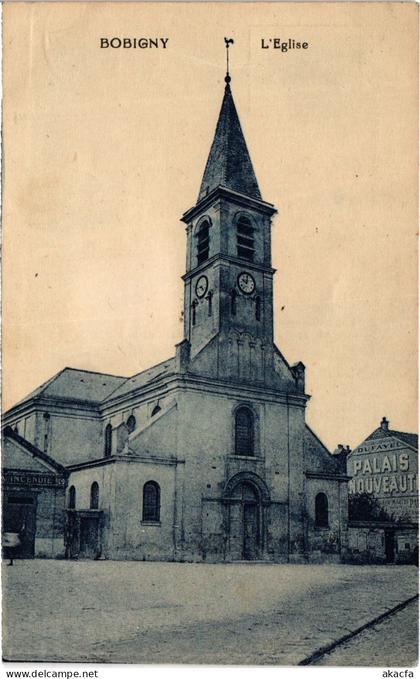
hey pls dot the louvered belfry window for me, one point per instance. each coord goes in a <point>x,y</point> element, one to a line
<point>203,242</point>
<point>245,238</point>
<point>244,432</point>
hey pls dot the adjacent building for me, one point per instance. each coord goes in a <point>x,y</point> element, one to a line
<point>34,490</point>
<point>384,468</point>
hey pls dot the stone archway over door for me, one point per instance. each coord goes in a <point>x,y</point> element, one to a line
<point>245,522</point>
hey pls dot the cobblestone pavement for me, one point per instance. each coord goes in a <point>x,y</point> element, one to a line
<point>143,612</point>
<point>391,643</point>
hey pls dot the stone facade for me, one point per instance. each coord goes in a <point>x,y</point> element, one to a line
<point>206,455</point>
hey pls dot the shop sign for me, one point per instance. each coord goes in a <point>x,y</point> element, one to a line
<point>27,479</point>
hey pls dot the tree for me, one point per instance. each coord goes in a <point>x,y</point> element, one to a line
<point>365,507</point>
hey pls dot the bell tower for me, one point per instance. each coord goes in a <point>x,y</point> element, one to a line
<point>228,280</point>
<point>228,293</point>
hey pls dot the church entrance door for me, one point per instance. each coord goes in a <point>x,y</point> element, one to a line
<point>89,535</point>
<point>244,524</point>
<point>250,531</point>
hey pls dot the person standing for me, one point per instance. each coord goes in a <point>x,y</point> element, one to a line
<point>11,541</point>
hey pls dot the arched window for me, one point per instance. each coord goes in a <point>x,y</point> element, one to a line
<point>131,424</point>
<point>321,510</point>
<point>203,242</point>
<point>72,497</point>
<point>108,440</point>
<point>151,501</point>
<point>94,496</point>
<point>156,409</point>
<point>245,238</point>
<point>244,432</point>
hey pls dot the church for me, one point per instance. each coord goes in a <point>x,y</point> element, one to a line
<point>207,455</point>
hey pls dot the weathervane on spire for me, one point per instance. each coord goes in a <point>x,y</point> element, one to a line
<point>228,42</point>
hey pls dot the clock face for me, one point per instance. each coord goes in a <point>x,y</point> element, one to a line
<point>246,283</point>
<point>201,286</point>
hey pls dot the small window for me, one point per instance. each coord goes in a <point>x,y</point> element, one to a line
<point>156,409</point>
<point>244,432</point>
<point>245,238</point>
<point>194,312</point>
<point>131,424</point>
<point>151,501</point>
<point>258,308</point>
<point>203,242</point>
<point>46,431</point>
<point>210,303</point>
<point>108,440</point>
<point>94,496</point>
<point>321,510</point>
<point>233,303</point>
<point>72,497</point>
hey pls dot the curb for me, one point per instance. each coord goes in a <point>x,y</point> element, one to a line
<point>330,647</point>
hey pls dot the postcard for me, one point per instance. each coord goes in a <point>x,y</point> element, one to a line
<point>210,333</point>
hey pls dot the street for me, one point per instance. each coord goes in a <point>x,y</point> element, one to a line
<point>145,612</point>
<point>392,642</point>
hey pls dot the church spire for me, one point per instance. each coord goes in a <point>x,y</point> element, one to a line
<point>229,163</point>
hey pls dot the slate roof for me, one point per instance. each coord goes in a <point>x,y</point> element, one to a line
<point>410,439</point>
<point>229,163</point>
<point>80,385</point>
<point>143,378</point>
<point>95,388</point>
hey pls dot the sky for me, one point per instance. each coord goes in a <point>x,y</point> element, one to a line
<point>104,150</point>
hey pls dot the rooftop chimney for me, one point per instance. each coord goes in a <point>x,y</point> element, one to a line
<point>342,450</point>
<point>384,424</point>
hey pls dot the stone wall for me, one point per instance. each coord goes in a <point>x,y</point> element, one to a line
<point>326,543</point>
<point>68,435</point>
<point>124,533</point>
<point>49,537</point>
<point>367,544</point>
